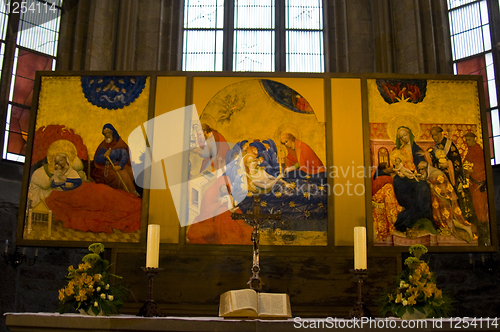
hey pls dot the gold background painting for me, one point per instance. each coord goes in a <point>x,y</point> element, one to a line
<point>257,116</point>
<point>452,105</point>
<point>344,145</point>
<point>445,102</point>
<point>334,131</point>
<point>61,102</point>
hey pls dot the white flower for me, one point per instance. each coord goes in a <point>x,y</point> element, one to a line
<point>96,304</point>
<point>103,296</point>
<point>107,286</point>
<point>98,289</point>
<point>405,302</point>
<point>110,297</point>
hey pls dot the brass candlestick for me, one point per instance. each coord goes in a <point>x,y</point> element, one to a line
<point>149,309</point>
<point>360,309</point>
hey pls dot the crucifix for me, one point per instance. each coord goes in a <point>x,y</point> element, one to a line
<point>255,219</point>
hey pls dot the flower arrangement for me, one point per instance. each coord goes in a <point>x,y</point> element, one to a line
<point>89,289</point>
<point>416,291</point>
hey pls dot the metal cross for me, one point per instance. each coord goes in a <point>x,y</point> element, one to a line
<point>255,219</point>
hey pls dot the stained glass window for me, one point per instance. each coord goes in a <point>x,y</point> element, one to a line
<point>471,43</point>
<point>36,48</point>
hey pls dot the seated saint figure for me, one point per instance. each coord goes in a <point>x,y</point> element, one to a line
<point>112,162</point>
<point>300,157</point>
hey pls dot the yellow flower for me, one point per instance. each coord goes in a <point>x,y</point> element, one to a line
<point>428,290</point>
<point>277,194</point>
<point>69,290</point>
<point>292,185</point>
<point>320,205</point>
<point>61,294</point>
<point>391,297</point>
<point>97,277</point>
<point>399,298</point>
<point>291,204</point>
<point>420,286</point>
<point>438,293</point>
<point>321,188</point>
<point>82,296</point>
<point>89,280</point>
<point>411,300</point>
<point>307,194</point>
<point>424,267</point>
<point>263,203</point>
<point>308,177</point>
<point>307,214</point>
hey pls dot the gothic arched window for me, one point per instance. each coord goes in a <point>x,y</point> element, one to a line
<point>253,35</point>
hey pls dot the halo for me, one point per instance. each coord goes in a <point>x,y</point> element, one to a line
<point>402,120</point>
<point>59,146</point>
<point>209,120</point>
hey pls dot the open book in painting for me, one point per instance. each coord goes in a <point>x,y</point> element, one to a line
<point>249,303</point>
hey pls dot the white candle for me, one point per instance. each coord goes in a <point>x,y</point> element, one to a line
<point>6,246</point>
<point>360,248</point>
<point>153,248</point>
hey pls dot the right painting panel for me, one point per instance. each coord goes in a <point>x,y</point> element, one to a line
<point>428,163</point>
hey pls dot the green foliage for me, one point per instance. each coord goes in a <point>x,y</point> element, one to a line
<point>89,288</point>
<point>415,289</point>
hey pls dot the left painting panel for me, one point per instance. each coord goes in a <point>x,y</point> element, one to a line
<point>80,185</point>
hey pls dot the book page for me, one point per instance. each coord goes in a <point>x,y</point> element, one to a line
<point>225,304</point>
<point>244,299</point>
<point>274,305</point>
<point>238,303</point>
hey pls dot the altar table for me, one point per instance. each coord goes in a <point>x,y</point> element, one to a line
<point>31,322</point>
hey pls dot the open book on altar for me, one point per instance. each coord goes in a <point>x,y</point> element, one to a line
<point>249,303</point>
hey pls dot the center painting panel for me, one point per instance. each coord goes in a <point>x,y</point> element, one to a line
<point>257,137</point>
